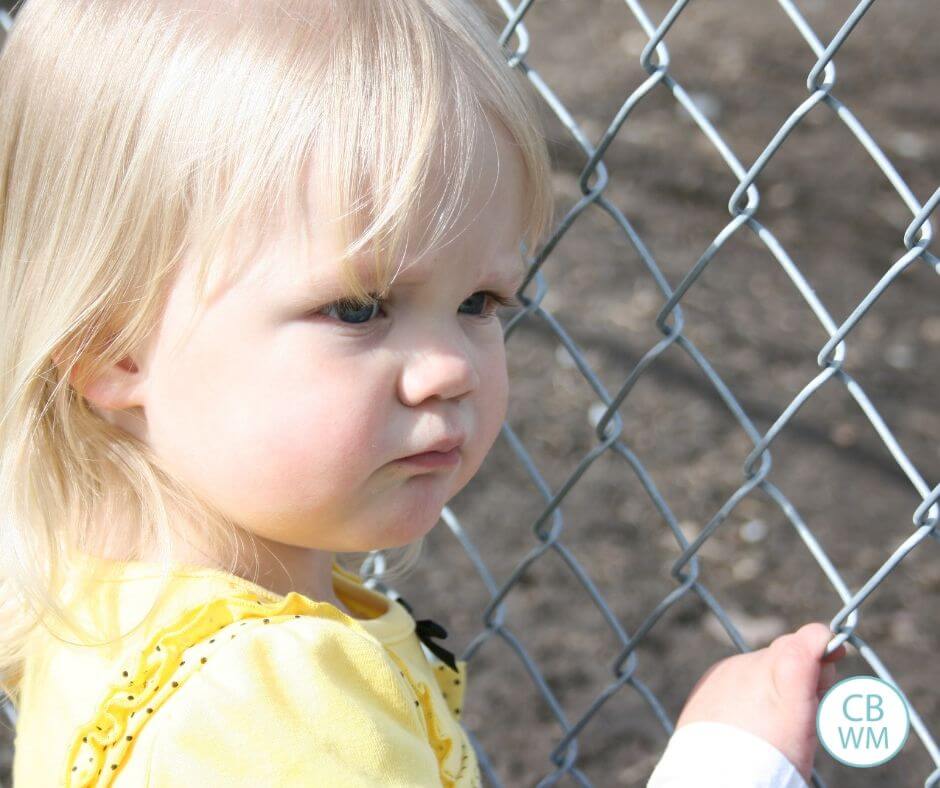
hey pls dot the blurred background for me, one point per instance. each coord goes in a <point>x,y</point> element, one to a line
<point>745,64</point>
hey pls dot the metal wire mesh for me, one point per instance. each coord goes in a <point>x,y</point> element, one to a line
<point>549,527</point>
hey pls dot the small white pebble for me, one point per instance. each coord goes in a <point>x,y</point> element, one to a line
<point>753,531</point>
<point>901,356</point>
<point>909,144</point>
<point>747,568</point>
<point>563,358</point>
<point>706,103</point>
<point>596,413</point>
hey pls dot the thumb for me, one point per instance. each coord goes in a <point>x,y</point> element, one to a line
<point>796,662</point>
<point>815,636</point>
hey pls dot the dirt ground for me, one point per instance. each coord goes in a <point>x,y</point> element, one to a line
<point>842,224</point>
<point>826,202</point>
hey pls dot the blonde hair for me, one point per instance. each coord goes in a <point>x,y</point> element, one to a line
<point>134,130</point>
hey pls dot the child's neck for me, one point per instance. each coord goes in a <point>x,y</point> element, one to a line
<point>280,568</point>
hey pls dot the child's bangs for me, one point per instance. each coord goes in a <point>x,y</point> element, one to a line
<point>382,106</point>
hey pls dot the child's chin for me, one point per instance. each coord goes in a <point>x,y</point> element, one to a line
<point>410,531</point>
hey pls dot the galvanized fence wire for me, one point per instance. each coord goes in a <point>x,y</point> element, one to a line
<point>742,205</point>
<point>549,526</point>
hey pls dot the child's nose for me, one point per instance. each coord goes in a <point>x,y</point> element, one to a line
<point>443,372</point>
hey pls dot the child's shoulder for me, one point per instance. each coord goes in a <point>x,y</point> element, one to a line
<point>141,599</point>
<point>255,667</point>
<point>235,684</point>
<point>203,613</point>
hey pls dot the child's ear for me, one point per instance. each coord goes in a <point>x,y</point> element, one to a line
<point>117,387</point>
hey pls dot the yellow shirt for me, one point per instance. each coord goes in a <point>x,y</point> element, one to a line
<point>229,684</point>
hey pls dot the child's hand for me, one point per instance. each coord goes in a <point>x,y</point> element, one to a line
<point>772,692</point>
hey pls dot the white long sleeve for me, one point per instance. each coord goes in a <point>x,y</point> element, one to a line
<point>718,755</point>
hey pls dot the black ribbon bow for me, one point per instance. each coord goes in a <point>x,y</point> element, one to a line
<point>425,630</point>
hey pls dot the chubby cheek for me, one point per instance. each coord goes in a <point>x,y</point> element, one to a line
<point>290,441</point>
<point>311,447</point>
<point>272,440</point>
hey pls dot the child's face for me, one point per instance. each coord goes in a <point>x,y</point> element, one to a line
<point>291,423</point>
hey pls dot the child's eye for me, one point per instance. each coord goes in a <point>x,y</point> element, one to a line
<point>358,311</point>
<point>495,301</point>
<point>352,312</point>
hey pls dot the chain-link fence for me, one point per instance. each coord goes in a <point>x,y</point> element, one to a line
<point>637,450</point>
<point>611,437</point>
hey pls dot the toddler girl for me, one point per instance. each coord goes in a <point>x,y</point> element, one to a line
<point>252,254</point>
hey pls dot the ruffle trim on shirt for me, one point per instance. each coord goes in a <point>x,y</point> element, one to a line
<point>102,744</point>
<point>441,743</point>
